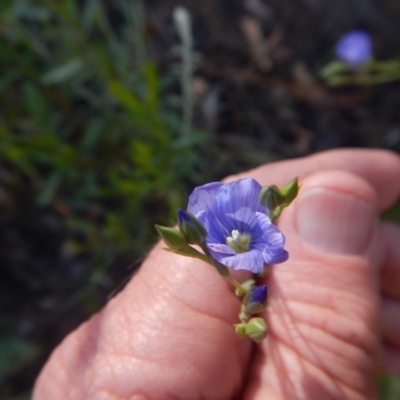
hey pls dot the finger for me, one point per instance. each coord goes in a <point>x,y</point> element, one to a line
<point>323,302</point>
<point>380,168</point>
<point>390,275</point>
<point>168,335</point>
<point>335,213</point>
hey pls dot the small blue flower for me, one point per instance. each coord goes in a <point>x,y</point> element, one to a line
<point>258,295</point>
<point>355,48</point>
<point>256,299</point>
<point>240,234</point>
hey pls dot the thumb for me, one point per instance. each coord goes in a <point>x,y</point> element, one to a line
<point>323,307</point>
<point>335,214</point>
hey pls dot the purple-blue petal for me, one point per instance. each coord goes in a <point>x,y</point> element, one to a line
<point>220,248</point>
<point>233,196</point>
<point>259,294</point>
<point>244,220</point>
<point>220,251</point>
<point>354,48</point>
<point>216,232</point>
<point>272,242</point>
<point>252,261</point>
<point>183,217</point>
<point>203,198</point>
<point>222,208</point>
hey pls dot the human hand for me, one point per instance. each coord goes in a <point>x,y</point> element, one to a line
<point>332,311</point>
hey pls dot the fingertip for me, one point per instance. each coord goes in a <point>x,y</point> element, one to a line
<point>334,213</point>
<point>342,182</point>
<point>381,168</point>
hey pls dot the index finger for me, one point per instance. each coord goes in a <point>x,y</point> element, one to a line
<point>380,168</point>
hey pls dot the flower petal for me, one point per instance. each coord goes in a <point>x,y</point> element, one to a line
<point>354,48</point>
<point>236,204</point>
<point>224,208</point>
<point>216,233</point>
<point>271,243</point>
<point>243,193</point>
<point>203,198</point>
<point>252,261</point>
<point>220,252</point>
<point>244,221</point>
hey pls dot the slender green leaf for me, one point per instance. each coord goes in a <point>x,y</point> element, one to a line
<point>63,72</point>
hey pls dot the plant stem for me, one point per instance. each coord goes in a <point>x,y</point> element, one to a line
<point>236,284</point>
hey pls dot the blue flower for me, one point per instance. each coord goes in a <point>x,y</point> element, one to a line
<point>256,299</point>
<point>258,295</point>
<point>355,48</point>
<point>240,234</point>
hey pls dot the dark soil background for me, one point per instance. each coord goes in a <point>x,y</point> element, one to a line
<point>260,97</point>
<point>261,60</point>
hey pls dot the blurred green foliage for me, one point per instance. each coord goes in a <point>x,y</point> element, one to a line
<point>393,213</point>
<point>389,387</point>
<point>91,129</point>
<point>14,354</point>
<point>85,118</point>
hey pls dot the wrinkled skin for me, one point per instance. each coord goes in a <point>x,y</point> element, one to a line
<point>333,306</point>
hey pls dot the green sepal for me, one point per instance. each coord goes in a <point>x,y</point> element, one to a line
<point>221,268</point>
<point>256,329</point>
<point>173,238</point>
<point>271,197</point>
<point>240,329</point>
<point>275,214</point>
<point>245,287</point>
<point>290,191</point>
<point>191,228</point>
<point>276,199</point>
<point>189,252</point>
<point>244,314</point>
<point>254,308</point>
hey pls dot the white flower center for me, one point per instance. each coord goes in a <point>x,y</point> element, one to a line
<point>238,242</point>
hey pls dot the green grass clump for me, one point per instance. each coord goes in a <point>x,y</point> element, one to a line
<point>89,130</point>
<point>86,122</point>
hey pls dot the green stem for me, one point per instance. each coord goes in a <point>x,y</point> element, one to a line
<point>233,281</point>
<point>236,284</point>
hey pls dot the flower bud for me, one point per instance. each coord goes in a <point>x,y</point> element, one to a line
<point>271,197</point>
<point>355,48</point>
<point>290,191</point>
<point>191,228</point>
<point>256,299</point>
<point>240,330</point>
<point>245,287</point>
<point>256,329</point>
<point>172,237</point>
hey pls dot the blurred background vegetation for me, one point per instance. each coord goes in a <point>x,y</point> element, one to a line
<point>110,114</point>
